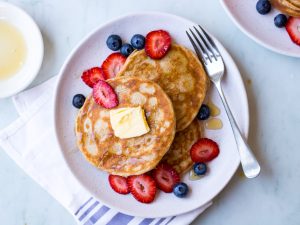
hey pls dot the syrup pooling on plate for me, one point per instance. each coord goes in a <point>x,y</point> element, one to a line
<point>13,50</point>
<point>213,124</point>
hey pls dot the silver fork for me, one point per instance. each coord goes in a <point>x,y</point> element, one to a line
<point>211,58</point>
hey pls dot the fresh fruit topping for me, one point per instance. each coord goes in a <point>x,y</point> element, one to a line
<point>105,95</point>
<point>158,43</point>
<point>263,7</point>
<point>78,100</point>
<point>204,112</point>
<point>91,76</point>
<point>204,150</point>
<point>114,42</point>
<point>180,190</point>
<point>142,187</point>
<point>126,50</point>
<point>165,177</point>
<point>138,41</point>
<point>293,29</point>
<point>200,168</point>
<point>280,20</point>
<point>118,184</point>
<point>113,64</point>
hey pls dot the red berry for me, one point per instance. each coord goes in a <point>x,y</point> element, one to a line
<point>118,184</point>
<point>158,42</point>
<point>92,76</point>
<point>142,187</point>
<point>293,29</point>
<point>204,150</point>
<point>105,95</point>
<point>113,64</point>
<point>165,177</point>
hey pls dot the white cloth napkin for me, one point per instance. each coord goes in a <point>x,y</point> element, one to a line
<point>30,141</point>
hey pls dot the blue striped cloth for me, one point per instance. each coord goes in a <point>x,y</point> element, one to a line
<point>31,139</point>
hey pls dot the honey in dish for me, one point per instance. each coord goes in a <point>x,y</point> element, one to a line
<point>12,50</point>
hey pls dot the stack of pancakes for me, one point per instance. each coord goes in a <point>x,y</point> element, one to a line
<point>171,91</point>
<point>290,7</point>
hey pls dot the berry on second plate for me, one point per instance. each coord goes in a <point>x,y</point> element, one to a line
<point>138,41</point>
<point>114,42</point>
<point>113,64</point>
<point>200,168</point>
<point>126,50</point>
<point>105,95</point>
<point>180,190</point>
<point>158,42</point>
<point>118,184</point>
<point>263,7</point>
<point>142,187</point>
<point>165,177</point>
<point>280,20</point>
<point>203,113</point>
<point>293,29</point>
<point>204,150</point>
<point>91,76</point>
<point>78,100</point>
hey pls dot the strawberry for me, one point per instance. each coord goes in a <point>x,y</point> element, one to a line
<point>165,177</point>
<point>105,95</point>
<point>293,29</point>
<point>204,150</point>
<point>113,64</point>
<point>158,42</point>
<point>92,76</point>
<point>118,184</point>
<point>142,187</point>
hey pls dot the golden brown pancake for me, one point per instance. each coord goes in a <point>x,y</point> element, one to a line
<point>290,7</point>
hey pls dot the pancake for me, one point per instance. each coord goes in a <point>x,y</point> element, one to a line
<point>179,73</point>
<point>290,7</point>
<point>132,156</point>
<point>179,154</point>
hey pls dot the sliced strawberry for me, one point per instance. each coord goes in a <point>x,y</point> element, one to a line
<point>204,150</point>
<point>105,95</point>
<point>92,76</point>
<point>142,187</point>
<point>165,177</point>
<point>293,29</point>
<point>158,42</point>
<point>118,184</point>
<point>113,64</point>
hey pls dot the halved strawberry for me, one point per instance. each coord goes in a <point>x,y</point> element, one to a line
<point>113,64</point>
<point>142,187</point>
<point>293,29</point>
<point>118,184</point>
<point>204,150</point>
<point>105,95</point>
<point>92,76</point>
<point>165,177</point>
<point>158,42</point>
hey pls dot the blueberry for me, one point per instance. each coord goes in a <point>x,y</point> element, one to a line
<point>263,7</point>
<point>203,113</point>
<point>78,100</point>
<point>280,20</point>
<point>114,42</point>
<point>138,41</point>
<point>200,168</point>
<point>180,189</point>
<point>126,50</point>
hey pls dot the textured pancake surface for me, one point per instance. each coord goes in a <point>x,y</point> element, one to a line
<point>290,7</point>
<point>179,154</point>
<point>96,139</point>
<point>179,73</point>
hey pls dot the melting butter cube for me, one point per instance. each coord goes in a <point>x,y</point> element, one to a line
<point>128,122</point>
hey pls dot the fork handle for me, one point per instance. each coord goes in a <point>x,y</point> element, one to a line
<point>249,163</point>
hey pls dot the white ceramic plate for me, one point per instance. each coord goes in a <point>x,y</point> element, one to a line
<point>35,49</point>
<point>91,52</point>
<point>260,28</point>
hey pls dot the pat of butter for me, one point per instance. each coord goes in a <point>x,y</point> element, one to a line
<point>129,122</point>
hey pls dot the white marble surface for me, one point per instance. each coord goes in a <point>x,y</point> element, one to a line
<point>272,83</point>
